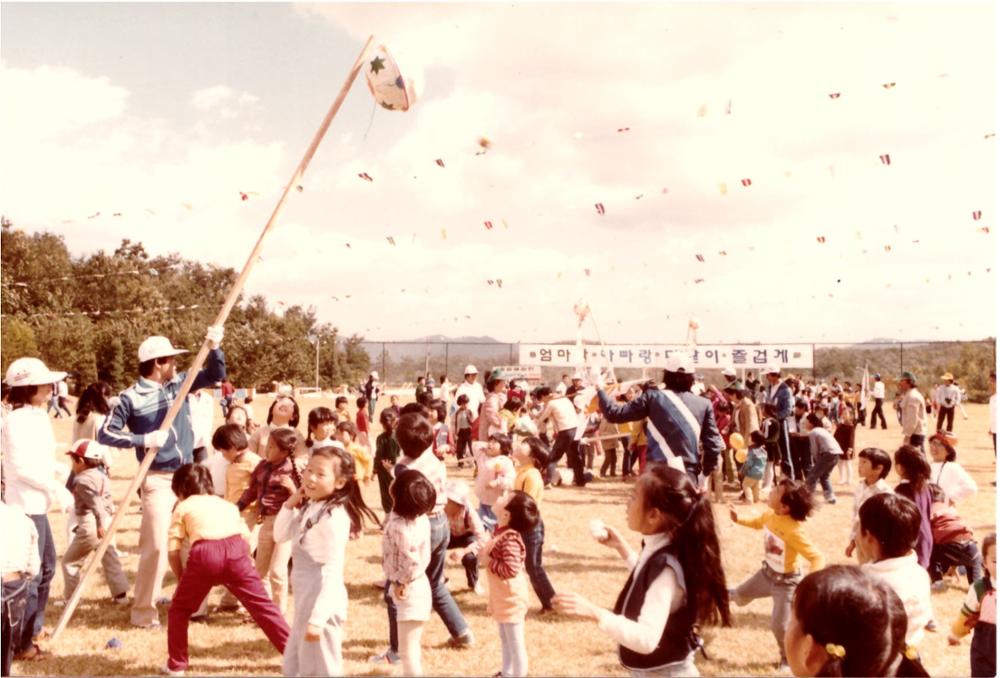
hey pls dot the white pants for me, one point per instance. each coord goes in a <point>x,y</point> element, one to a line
<point>409,646</point>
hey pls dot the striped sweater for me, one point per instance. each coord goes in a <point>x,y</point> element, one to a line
<point>143,407</point>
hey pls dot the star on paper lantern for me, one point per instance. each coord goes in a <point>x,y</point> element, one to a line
<point>391,90</point>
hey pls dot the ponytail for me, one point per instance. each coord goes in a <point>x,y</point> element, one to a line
<point>695,539</point>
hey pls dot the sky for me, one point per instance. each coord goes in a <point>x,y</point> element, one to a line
<point>164,114</point>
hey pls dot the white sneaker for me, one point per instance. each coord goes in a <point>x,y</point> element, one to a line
<point>167,671</point>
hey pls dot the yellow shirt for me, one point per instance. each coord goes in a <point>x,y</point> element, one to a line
<point>784,541</point>
<point>238,475</point>
<point>204,516</point>
<point>529,481</point>
<point>364,466</point>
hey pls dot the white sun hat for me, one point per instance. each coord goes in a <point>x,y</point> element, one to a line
<point>31,372</point>
<point>157,347</point>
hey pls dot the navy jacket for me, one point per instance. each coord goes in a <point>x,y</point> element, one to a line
<point>671,431</point>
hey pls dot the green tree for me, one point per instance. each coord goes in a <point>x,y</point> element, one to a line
<point>18,341</point>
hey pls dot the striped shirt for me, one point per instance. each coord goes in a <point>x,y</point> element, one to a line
<point>143,407</point>
<point>507,553</point>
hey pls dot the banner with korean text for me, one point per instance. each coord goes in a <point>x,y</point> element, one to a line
<point>704,356</point>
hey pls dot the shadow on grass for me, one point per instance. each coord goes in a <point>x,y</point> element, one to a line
<point>235,650</point>
<point>365,592</point>
<point>582,568</point>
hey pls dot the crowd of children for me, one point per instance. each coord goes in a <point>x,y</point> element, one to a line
<point>277,497</point>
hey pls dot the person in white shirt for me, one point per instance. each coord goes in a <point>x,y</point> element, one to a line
<point>32,481</point>
<point>888,527</point>
<point>913,412</point>
<point>946,472</point>
<point>564,418</point>
<point>874,465</point>
<point>472,388</point>
<point>202,406</point>
<point>654,620</point>
<point>878,393</point>
<point>948,397</point>
<point>19,564</point>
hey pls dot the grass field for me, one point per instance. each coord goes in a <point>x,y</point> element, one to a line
<point>575,562</point>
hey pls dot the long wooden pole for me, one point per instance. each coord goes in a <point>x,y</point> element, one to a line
<point>199,360</point>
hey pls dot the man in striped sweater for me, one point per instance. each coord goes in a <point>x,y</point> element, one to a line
<point>142,409</point>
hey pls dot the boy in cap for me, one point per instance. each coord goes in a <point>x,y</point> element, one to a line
<point>94,507</point>
<point>948,398</point>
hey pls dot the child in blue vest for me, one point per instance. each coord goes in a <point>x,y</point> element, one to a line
<point>677,581</point>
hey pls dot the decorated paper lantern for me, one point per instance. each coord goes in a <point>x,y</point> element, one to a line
<point>390,88</point>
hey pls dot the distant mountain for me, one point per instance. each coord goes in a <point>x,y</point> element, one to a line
<point>440,338</point>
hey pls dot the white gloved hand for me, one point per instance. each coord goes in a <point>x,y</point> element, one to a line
<point>214,335</point>
<point>155,440</point>
<point>593,376</point>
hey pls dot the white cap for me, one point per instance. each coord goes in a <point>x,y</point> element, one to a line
<point>373,375</point>
<point>471,369</point>
<point>456,491</point>
<point>85,448</point>
<point>31,372</point>
<point>157,347</point>
<point>680,362</point>
<point>773,370</point>
<point>728,372</point>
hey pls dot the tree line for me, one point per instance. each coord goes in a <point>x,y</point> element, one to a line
<point>87,315</point>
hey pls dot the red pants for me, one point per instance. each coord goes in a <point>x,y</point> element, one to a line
<point>226,562</point>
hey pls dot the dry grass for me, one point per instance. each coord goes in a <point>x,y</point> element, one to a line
<point>574,561</point>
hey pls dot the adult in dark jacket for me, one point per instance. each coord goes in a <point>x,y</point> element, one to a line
<point>678,421</point>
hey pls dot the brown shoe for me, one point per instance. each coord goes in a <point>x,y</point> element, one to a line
<point>32,654</point>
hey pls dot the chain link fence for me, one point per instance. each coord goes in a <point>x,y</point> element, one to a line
<point>971,362</point>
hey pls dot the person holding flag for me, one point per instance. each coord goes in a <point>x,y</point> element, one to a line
<point>678,420</point>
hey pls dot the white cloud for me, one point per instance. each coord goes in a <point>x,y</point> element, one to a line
<point>551,85</point>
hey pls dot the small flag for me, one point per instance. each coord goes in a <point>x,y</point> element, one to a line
<point>392,241</point>
<point>299,188</point>
<point>587,271</point>
<point>500,283</point>
<point>977,215</point>
<point>489,225</point>
<point>365,176</point>
<point>623,129</point>
<point>888,85</point>
<point>489,282</point>
<point>821,239</point>
<point>834,95</point>
<point>885,159</point>
<point>698,281</point>
<point>722,253</point>
<point>700,258</point>
<point>722,188</point>
<point>244,197</point>
<point>599,206</point>
<point>985,229</point>
<point>440,162</point>
<point>745,182</point>
<point>888,248</point>
<point>444,234</point>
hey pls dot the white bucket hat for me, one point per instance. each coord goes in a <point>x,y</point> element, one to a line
<point>680,362</point>
<point>31,372</point>
<point>157,347</point>
<point>456,491</point>
<point>471,369</point>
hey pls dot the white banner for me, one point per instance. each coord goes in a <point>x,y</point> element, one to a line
<point>524,371</point>
<point>704,356</point>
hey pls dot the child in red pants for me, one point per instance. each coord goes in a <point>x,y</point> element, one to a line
<point>219,555</point>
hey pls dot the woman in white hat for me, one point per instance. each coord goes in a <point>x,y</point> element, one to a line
<point>32,482</point>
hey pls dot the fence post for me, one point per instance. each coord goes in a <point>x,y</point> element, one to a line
<point>510,354</point>
<point>900,357</point>
<point>385,375</point>
<point>447,344</point>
